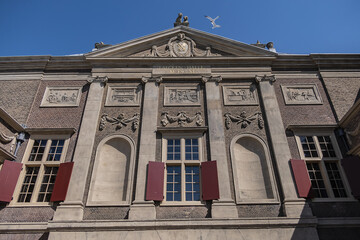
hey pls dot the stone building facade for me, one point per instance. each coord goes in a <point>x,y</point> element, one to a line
<point>180,135</point>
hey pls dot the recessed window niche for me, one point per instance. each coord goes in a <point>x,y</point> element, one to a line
<point>113,172</point>
<point>252,170</point>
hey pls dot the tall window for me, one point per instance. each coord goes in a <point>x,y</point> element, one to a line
<point>182,156</point>
<point>322,161</point>
<point>41,163</point>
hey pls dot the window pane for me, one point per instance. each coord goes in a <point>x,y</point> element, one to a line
<point>55,150</point>
<point>326,146</point>
<point>28,184</point>
<point>191,149</point>
<point>317,182</point>
<point>192,189</point>
<point>47,184</point>
<point>335,180</point>
<point>308,146</point>
<point>37,150</point>
<point>173,149</point>
<point>173,184</point>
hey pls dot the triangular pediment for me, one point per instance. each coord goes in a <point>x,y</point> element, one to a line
<point>180,42</point>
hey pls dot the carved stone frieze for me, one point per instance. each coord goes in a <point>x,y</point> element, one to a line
<point>123,96</point>
<point>181,118</point>
<point>175,96</point>
<point>61,97</point>
<point>240,95</point>
<point>301,94</point>
<point>244,120</point>
<point>180,46</point>
<point>120,121</point>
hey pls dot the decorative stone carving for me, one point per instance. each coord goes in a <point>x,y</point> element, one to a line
<point>301,94</point>
<point>180,46</point>
<point>7,139</point>
<point>240,95</point>
<point>180,96</point>
<point>181,119</point>
<point>270,78</point>
<point>243,120</point>
<point>123,96</point>
<point>206,79</point>
<point>120,121</point>
<point>102,80</point>
<point>61,97</point>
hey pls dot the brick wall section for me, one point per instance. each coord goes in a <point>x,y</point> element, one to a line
<point>303,114</point>
<point>16,98</point>
<point>24,236</point>
<point>105,213</point>
<point>26,214</point>
<point>254,210</point>
<point>343,93</point>
<point>166,212</point>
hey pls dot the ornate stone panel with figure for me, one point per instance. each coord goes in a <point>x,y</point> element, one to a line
<point>61,97</point>
<point>179,96</point>
<point>240,95</point>
<point>123,96</point>
<point>301,94</point>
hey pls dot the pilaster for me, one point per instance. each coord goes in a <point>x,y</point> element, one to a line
<point>72,207</point>
<point>142,209</point>
<point>225,206</point>
<point>294,206</point>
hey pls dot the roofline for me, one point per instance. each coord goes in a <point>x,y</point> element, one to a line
<point>11,121</point>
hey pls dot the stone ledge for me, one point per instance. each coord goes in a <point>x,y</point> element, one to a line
<point>23,226</point>
<point>244,223</point>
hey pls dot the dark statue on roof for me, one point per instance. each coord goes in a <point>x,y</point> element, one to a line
<point>179,23</point>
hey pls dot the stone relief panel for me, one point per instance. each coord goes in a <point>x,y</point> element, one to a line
<point>301,94</point>
<point>120,121</point>
<point>123,96</point>
<point>180,96</point>
<point>181,118</point>
<point>240,95</point>
<point>243,119</point>
<point>61,97</point>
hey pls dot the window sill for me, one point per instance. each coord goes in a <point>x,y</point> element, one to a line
<point>44,204</point>
<point>316,200</point>
<point>182,204</point>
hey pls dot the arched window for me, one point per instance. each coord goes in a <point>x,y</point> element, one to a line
<point>252,170</point>
<point>112,175</point>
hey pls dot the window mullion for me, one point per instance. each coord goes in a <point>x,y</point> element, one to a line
<point>46,151</point>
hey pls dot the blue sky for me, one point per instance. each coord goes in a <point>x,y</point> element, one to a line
<point>64,27</point>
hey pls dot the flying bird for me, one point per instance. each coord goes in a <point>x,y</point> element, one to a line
<point>213,22</point>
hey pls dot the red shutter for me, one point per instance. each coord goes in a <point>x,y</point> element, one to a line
<point>9,175</point>
<point>62,182</point>
<point>155,181</point>
<point>302,179</point>
<point>209,181</point>
<point>351,166</point>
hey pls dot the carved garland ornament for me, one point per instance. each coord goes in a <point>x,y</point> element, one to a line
<point>120,121</point>
<point>243,120</point>
<point>180,46</point>
<point>181,119</point>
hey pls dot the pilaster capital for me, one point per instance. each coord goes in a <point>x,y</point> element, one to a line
<point>156,79</point>
<point>264,78</point>
<point>210,78</point>
<point>102,80</point>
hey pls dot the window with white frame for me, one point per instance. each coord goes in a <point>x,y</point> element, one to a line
<point>40,166</point>
<point>321,154</point>
<point>182,157</point>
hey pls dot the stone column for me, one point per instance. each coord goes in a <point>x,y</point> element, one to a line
<point>73,206</point>
<point>294,206</point>
<point>225,206</point>
<point>142,209</point>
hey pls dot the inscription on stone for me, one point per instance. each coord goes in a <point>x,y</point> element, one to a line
<point>61,97</point>
<point>161,70</point>
<point>240,95</point>
<point>123,96</point>
<point>301,94</point>
<point>175,96</point>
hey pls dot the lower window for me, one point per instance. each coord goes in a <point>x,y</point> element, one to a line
<point>182,179</point>
<point>322,161</point>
